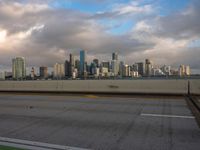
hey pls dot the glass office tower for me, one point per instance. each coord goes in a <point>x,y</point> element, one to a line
<point>82,62</point>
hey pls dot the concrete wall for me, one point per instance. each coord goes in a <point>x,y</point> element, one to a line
<point>107,86</point>
<point>195,86</point>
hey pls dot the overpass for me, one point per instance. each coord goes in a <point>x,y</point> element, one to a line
<point>165,118</point>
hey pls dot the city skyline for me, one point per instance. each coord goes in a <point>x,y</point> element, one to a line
<point>74,68</point>
<point>166,32</point>
<point>71,64</point>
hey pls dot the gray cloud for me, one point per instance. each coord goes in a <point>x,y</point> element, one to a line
<point>45,35</point>
<point>63,30</point>
<point>181,25</point>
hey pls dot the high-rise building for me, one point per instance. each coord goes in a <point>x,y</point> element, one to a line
<point>33,73</point>
<point>87,67</point>
<point>96,62</point>
<point>59,71</point>
<point>158,72</point>
<point>121,67</point>
<point>92,68</point>
<point>104,72</point>
<point>140,68</point>
<point>82,63</point>
<point>126,71</point>
<point>43,72</point>
<point>19,68</point>
<point>77,65</point>
<point>106,64</point>
<point>148,67</point>
<point>184,70</point>
<point>67,68</point>
<point>135,67</point>
<point>115,64</point>
<point>97,72</point>
<point>75,73</point>
<point>187,71</point>
<point>115,56</point>
<point>166,70</point>
<point>134,74</point>
<point>72,64</point>
<point>115,67</point>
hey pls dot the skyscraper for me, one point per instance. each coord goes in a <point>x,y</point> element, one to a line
<point>96,62</point>
<point>59,71</point>
<point>92,68</point>
<point>126,71</point>
<point>121,67</point>
<point>184,70</point>
<point>106,64</point>
<point>19,68</point>
<point>114,56</point>
<point>148,67</point>
<point>82,62</point>
<point>67,68</point>
<point>33,73</point>
<point>115,67</point>
<point>187,71</point>
<point>115,64</point>
<point>166,70</point>
<point>43,72</point>
<point>77,65</point>
<point>135,67</point>
<point>72,64</point>
<point>140,68</point>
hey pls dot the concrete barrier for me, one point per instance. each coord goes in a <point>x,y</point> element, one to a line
<point>105,86</point>
<point>141,86</point>
<point>195,87</point>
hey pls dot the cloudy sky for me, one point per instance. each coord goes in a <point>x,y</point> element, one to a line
<point>46,31</point>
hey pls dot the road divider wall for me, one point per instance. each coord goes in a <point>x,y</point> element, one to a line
<point>149,86</point>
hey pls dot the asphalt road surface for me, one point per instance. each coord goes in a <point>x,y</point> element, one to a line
<point>100,123</point>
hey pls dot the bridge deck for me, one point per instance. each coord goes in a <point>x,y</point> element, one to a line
<point>107,123</point>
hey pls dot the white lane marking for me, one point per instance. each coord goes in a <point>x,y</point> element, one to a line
<point>34,145</point>
<point>167,116</point>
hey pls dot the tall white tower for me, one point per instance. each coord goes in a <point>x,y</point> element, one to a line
<point>19,68</point>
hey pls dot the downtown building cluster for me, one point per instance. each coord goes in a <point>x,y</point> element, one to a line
<point>80,69</point>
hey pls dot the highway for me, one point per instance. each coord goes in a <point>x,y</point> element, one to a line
<point>100,122</point>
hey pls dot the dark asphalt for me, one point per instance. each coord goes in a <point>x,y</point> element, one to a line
<point>100,123</point>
